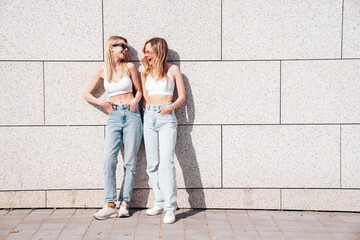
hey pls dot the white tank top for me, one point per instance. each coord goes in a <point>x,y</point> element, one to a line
<point>159,86</point>
<point>115,88</point>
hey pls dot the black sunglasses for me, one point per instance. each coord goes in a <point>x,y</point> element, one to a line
<point>122,45</point>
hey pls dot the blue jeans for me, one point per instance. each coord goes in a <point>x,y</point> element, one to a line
<point>123,126</point>
<point>160,138</point>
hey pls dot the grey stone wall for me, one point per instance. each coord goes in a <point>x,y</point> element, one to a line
<point>271,121</point>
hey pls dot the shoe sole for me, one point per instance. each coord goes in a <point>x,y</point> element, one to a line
<point>123,215</point>
<point>103,218</point>
<point>169,222</point>
<point>151,214</point>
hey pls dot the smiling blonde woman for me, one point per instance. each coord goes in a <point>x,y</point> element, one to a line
<point>159,79</point>
<point>124,124</point>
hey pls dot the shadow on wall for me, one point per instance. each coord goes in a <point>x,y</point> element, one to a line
<point>98,92</point>
<point>185,151</point>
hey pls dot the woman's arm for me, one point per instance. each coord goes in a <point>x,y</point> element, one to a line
<point>145,92</point>
<point>135,79</point>
<point>87,95</point>
<point>180,89</point>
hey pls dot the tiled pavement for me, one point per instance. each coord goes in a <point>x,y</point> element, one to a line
<point>191,224</point>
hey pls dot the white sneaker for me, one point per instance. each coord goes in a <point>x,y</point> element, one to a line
<point>154,211</point>
<point>169,217</point>
<point>124,209</point>
<point>106,212</point>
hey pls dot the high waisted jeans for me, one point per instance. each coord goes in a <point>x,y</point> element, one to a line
<point>160,138</point>
<point>124,126</point>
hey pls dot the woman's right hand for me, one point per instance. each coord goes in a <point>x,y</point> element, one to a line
<point>107,105</point>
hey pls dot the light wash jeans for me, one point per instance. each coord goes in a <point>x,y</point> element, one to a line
<point>160,138</point>
<point>123,126</point>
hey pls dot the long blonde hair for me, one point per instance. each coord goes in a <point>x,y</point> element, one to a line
<point>161,51</point>
<point>109,63</point>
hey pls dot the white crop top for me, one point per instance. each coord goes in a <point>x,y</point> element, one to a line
<point>159,86</point>
<point>115,88</point>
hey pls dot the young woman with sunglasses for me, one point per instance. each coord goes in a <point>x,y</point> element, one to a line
<point>124,123</point>
<point>159,79</point>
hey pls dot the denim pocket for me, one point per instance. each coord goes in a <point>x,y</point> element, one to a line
<point>136,111</point>
<point>169,117</point>
<point>112,112</point>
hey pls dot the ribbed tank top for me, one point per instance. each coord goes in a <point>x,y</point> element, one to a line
<point>159,86</point>
<point>115,88</point>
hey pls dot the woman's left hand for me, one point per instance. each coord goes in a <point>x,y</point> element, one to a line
<point>166,110</point>
<point>133,104</point>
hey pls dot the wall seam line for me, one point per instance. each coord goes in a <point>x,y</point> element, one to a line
<point>199,124</point>
<point>340,161</point>
<point>183,188</point>
<point>190,60</point>
<point>280,92</point>
<point>221,17</point>
<point>43,73</point>
<point>102,28</point>
<point>342,28</point>
<point>221,158</point>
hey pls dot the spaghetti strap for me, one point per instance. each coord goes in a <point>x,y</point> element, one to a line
<point>171,67</point>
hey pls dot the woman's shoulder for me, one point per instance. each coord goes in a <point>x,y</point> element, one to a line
<point>141,68</point>
<point>130,66</point>
<point>173,68</point>
<point>100,70</point>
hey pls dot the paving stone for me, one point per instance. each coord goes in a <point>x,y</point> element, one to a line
<point>301,234</point>
<point>148,226</point>
<point>11,220</point>
<point>288,222</point>
<point>55,223</point>
<point>291,228</point>
<point>320,235</point>
<point>31,224</point>
<point>3,213</point>
<point>125,228</point>
<point>78,224</point>
<point>100,229</point>
<point>271,236</point>
<point>195,225</point>
<point>310,224</point>
<point>298,238</point>
<point>349,217</point>
<point>190,224</point>
<point>218,224</point>
<point>346,236</point>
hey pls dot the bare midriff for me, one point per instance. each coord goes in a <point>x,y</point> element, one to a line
<point>159,99</point>
<point>124,98</point>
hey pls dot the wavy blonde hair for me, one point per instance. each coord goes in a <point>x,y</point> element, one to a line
<point>161,51</point>
<point>109,63</point>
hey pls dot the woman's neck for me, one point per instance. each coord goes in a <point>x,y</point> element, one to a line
<point>116,63</point>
